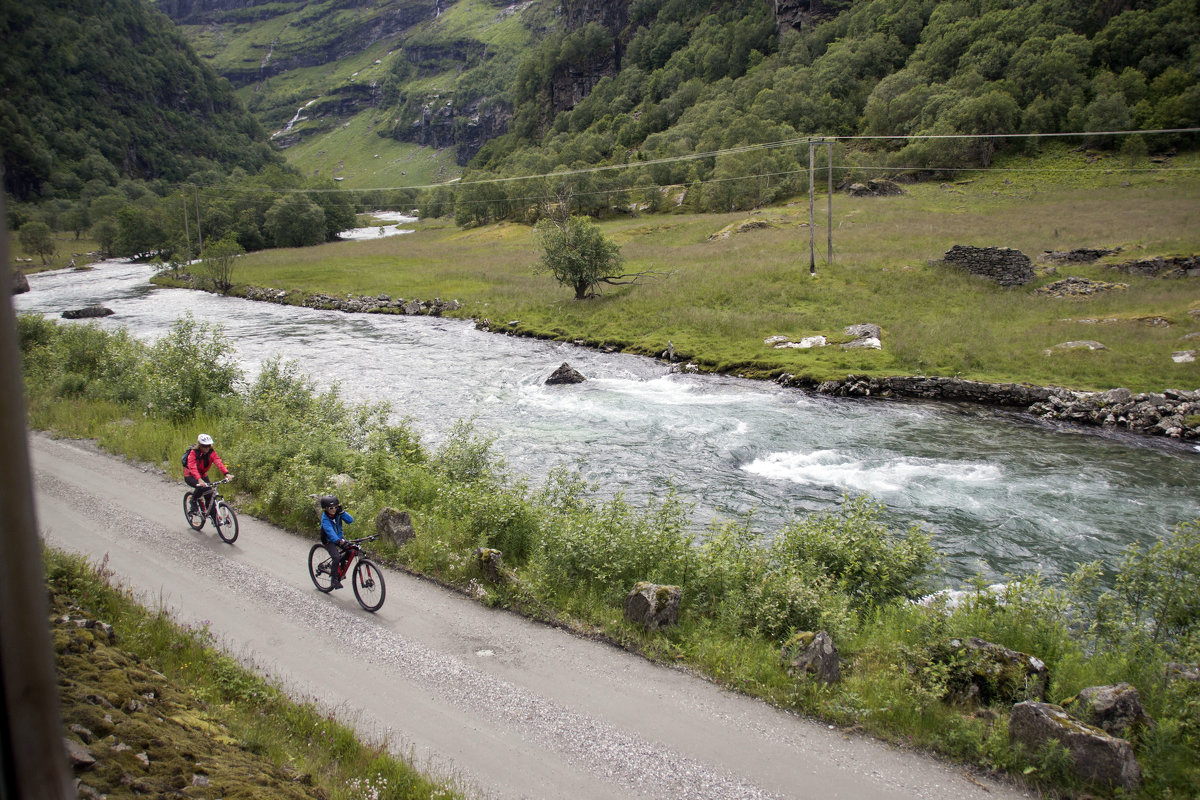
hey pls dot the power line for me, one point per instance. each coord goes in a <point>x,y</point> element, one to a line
<point>792,142</point>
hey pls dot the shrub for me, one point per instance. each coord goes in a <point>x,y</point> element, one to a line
<point>869,562</point>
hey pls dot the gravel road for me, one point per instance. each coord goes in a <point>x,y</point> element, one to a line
<point>506,707</point>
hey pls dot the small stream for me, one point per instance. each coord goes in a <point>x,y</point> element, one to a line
<point>1000,492</point>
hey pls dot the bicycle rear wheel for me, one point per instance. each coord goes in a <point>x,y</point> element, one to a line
<point>195,519</point>
<point>368,585</point>
<point>227,522</point>
<point>319,564</point>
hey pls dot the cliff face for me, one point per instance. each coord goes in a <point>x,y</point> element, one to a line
<point>332,30</point>
<point>574,80</point>
<point>804,13</point>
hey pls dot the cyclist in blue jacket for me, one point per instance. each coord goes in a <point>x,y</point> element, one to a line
<point>332,517</point>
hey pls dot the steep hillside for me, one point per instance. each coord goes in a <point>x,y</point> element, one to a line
<point>99,90</point>
<point>372,93</point>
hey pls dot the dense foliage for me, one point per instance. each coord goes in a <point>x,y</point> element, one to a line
<point>572,555</point>
<point>697,79</point>
<point>99,90</point>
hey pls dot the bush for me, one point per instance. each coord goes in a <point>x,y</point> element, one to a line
<point>189,370</point>
<point>869,562</point>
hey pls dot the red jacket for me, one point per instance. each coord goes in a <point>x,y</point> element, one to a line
<point>198,464</point>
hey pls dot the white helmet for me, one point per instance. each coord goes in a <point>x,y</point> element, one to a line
<point>204,439</point>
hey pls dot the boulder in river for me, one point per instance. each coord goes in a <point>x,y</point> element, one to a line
<point>565,374</point>
<point>85,313</point>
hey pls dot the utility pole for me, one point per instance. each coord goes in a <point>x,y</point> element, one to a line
<point>187,234</point>
<point>199,235</point>
<point>812,243</point>
<point>829,211</point>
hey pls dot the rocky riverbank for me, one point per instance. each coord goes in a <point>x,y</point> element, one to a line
<point>1174,412</point>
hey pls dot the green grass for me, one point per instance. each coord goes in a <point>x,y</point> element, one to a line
<point>722,298</point>
<point>359,158</point>
<point>67,248</point>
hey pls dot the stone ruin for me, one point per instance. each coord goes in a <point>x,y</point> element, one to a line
<point>1004,265</point>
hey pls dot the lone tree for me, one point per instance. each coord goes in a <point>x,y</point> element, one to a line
<point>576,253</point>
<point>37,238</point>
<point>219,260</point>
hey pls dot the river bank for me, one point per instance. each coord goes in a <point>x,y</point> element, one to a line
<point>1172,413</point>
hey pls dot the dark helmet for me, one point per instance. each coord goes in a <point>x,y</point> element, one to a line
<point>329,501</point>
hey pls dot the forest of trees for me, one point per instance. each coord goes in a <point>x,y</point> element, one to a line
<point>701,78</point>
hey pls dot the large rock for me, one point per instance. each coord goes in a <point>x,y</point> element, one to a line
<point>812,654</point>
<point>85,313</point>
<point>20,283</point>
<point>565,374</point>
<point>395,525</point>
<point>1096,756</point>
<point>653,606</point>
<point>1117,709</point>
<point>491,561</point>
<point>987,673</point>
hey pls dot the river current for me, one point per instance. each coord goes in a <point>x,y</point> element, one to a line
<point>1000,493</point>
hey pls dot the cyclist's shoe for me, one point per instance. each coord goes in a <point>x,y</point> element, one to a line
<point>192,509</point>
<point>337,584</point>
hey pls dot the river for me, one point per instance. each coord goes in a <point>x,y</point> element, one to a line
<point>1001,493</point>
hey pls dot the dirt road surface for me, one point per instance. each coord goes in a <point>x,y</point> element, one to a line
<point>507,707</point>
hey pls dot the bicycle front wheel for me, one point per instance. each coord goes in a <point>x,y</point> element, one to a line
<point>319,565</point>
<point>195,519</point>
<point>368,585</point>
<point>227,523</point>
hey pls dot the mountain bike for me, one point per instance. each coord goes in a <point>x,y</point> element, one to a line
<point>366,578</point>
<point>223,517</point>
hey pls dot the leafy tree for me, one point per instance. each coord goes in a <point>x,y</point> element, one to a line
<point>139,231</point>
<point>219,260</point>
<point>576,253</point>
<point>37,238</point>
<point>295,221</point>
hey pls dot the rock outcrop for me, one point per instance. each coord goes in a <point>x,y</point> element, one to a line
<point>1116,709</point>
<point>812,654</point>
<point>1096,757</point>
<point>653,606</point>
<point>395,525</point>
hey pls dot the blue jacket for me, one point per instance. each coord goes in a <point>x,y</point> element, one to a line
<point>331,527</point>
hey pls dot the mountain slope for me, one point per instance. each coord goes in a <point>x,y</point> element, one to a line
<point>98,90</point>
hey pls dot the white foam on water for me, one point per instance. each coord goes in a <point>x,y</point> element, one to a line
<point>875,476</point>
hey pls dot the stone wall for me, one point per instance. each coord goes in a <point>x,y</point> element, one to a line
<point>1003,265</point>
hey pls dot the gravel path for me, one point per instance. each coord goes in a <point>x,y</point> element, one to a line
<point>506,707</point>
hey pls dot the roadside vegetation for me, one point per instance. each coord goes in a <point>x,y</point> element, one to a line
<point>571,555</point>
<point>717,298</point>
<point>206,725</point>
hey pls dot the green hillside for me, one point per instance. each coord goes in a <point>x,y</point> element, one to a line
<point>96,91</point>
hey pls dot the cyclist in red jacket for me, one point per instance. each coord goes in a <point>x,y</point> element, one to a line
<point>200,459</point>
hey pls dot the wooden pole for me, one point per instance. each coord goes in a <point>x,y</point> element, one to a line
<point>812,242</point>
<point>33,759</point>
<point>829,208</point>
<point>187,234</point>
<point>199,235</point>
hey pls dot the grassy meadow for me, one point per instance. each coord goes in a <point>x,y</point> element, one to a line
<point>722,297</point>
